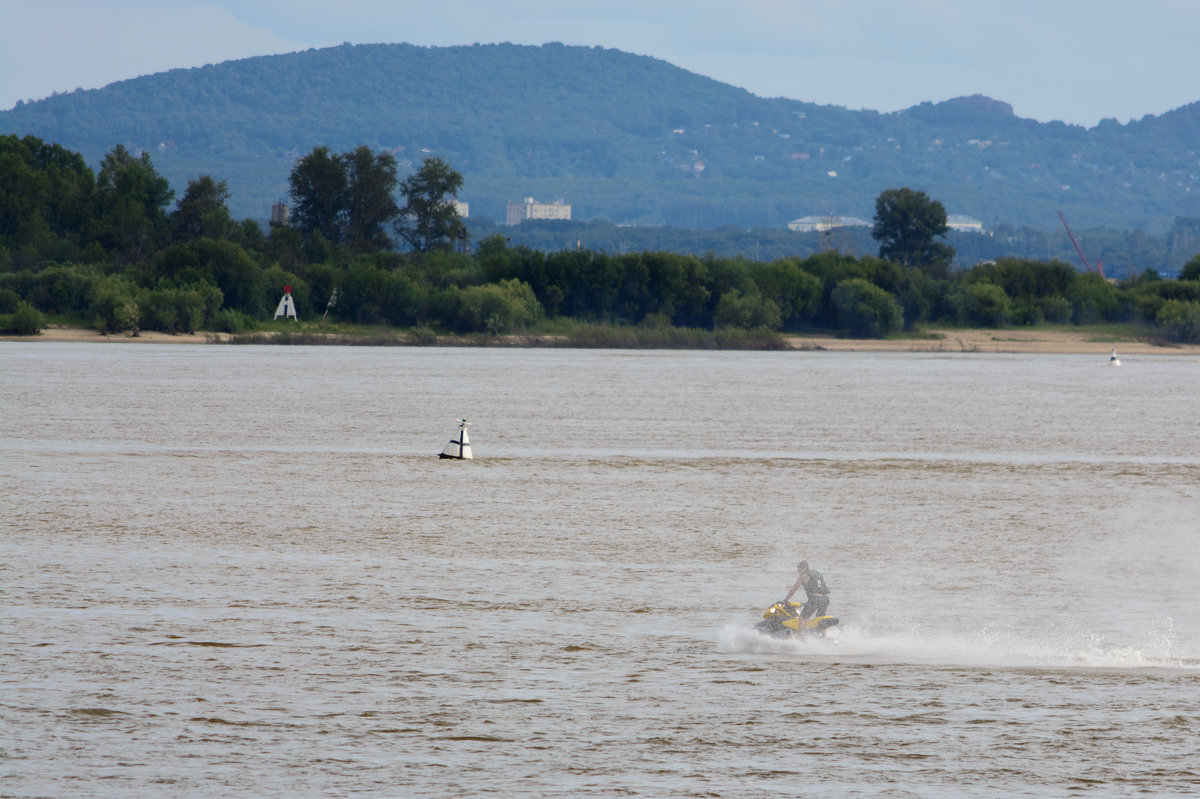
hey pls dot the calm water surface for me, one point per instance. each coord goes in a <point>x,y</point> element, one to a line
<point>243,572</point>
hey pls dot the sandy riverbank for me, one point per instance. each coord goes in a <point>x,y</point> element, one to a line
<point>986,340</point>
<point>83,334</point>
<point>953,340</point>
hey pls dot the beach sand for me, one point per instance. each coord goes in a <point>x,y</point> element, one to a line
<point>75,334</point>
<point>946,340</point>
<point>1009,340</point>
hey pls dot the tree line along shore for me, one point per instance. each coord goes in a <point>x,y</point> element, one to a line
<point>373,259</point>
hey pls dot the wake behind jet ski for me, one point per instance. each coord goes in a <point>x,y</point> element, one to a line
<point>785,620</point>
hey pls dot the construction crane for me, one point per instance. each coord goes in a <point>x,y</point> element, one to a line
<point>1099,267</point>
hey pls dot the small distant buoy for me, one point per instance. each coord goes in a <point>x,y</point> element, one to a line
<point>1113,360</point>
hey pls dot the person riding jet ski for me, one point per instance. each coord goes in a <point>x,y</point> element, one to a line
<point>786,619</point>
<point>814,588</point>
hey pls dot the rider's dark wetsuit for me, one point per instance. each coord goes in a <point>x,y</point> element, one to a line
<point>818,595</point>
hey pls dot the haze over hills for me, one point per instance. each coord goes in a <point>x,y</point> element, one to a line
<point>626,138</point>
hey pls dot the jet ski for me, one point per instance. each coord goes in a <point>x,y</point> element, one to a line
<point>782,620</point>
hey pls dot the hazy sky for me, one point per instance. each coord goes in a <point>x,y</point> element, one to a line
<point>1073,60</point>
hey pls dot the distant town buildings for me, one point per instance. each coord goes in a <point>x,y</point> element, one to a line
<point>528,209</point>
<point>279,215</point>
<point>822,224</point>
<point>964,224</point>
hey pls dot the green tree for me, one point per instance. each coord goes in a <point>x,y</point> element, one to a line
<point>370,208</point>
<point>1191,270</point>
<point>25,321</point>
<point>9,300</point>
<point>906,224</point>
<point>114,305</point>
<point>675,286</point>
<point>202,212</point>
<point>318,192</point>
<point>865,309</point>
<point>494,308</point>
<point>795,292</point>
<point>1180,319</point>
<point>285,246</point>
<point>429,219</point>
<point>131,198</point>
<point>983,305</point>
<point>45,194</point>
<point>362,289</point>
<point>22,190</point>
<point>747,312</point>
<point>220,263</point>
<point>345,198</point>
<point>61,289</point>
<point>1093,299</point>
<point>178,310</point>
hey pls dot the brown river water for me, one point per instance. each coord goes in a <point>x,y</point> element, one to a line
<point>243,572</point>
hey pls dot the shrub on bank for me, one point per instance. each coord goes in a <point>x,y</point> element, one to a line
<point>865,310</point>
<point>24,321</point>
<point>596,336</point>
<point>1181,320</point>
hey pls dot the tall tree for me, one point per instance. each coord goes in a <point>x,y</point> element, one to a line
<point>370,206</point>
<point>22,190</point>
<point>429,219</point>
<point>201,212</point>
<point>347,198</point>
<point>43,188</point>
<point>318,191</point>
<point>131,199</point>
<point>906,224</point>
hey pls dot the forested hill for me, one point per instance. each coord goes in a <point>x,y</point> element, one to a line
<point>622,137</point>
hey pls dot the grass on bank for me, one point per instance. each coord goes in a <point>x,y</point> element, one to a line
<point>1103,333</point>
<point>558,334</point>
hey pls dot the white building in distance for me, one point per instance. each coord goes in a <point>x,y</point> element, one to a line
<point>528,209</point>
<point>964,224</point>
<point>822,224</point>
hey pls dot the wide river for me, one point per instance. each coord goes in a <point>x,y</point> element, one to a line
<point>243,572</point>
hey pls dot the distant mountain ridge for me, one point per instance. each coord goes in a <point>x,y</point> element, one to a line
<point>627,138</point>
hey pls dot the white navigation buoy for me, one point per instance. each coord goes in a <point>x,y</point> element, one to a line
<point>459,449</point>
<point>1113,360</point>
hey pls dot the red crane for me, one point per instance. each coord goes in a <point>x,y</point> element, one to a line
<point>1099,267</point>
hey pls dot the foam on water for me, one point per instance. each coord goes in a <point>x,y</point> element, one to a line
<point>1152,648</point>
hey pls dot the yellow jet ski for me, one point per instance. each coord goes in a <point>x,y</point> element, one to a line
<point>782,620</point>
